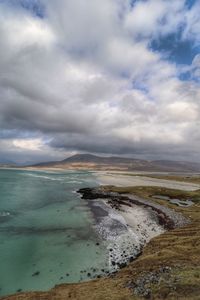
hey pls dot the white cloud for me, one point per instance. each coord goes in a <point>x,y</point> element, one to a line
<point>192,28</point>
<point>182,111</point>
<point>82,79</point>
<point>154,18</point>
<point>28,144</point>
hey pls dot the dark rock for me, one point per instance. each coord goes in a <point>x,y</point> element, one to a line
<point>19,290</point>
<point>36,273</point>
<point>122,265</point>
<point>131,259</point>
<point>88,274</point>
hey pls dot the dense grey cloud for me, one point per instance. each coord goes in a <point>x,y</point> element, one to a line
<point>84,78</point>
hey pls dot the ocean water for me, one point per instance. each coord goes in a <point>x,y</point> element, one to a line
<point>47,232</point>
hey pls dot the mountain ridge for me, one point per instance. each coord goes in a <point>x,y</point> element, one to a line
<point>90,161</point>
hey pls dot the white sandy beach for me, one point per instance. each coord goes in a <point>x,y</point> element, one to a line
<point>138,226</point>
<point>118,179</point>
<point>141,222</point>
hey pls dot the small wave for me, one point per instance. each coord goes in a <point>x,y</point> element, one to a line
<point>4,214</point>
<point>74,181</point>
<point>74,192</point>
<point>44,177</point>
<point>65,179</point>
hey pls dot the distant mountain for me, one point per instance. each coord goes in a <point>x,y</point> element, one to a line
<point>6,163</point>
<point>93,162</point>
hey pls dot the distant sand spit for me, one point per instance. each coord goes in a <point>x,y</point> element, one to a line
<point>118,179</point>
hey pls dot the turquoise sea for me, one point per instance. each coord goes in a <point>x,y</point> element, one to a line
<point>47,235</point>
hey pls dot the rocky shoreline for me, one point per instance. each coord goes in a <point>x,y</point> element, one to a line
<point>166,217</point>
<point>158,219</point>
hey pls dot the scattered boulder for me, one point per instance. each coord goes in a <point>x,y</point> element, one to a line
<point>131,259</point>
<point>122,265</point>
<point>36,273</point>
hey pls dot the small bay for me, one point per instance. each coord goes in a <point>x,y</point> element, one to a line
<point>47,235</point>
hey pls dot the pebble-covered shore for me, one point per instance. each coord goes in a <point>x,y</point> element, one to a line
<point>127,223</point>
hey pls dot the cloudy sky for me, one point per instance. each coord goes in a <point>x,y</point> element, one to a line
<point>118,77</point>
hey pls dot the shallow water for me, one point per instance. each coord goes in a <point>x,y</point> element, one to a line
<point>183,203</point>
<point>46,231</point>
<point>49,235</point>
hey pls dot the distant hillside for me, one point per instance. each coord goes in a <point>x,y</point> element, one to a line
<point>92,162</point>
<point>7,164</point>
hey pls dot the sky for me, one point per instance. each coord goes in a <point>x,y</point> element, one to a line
<point>109,77</point>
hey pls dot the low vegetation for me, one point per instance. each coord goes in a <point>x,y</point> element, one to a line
<point>148,192</point>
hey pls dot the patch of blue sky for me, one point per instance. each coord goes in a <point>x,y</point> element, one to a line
<point>35,7</point>
<point>186,76</point>
<point>190,3</point>
<point>132,2</point>
<point>175,49</point>
<point>140,86</point>
<point>192,74</point>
